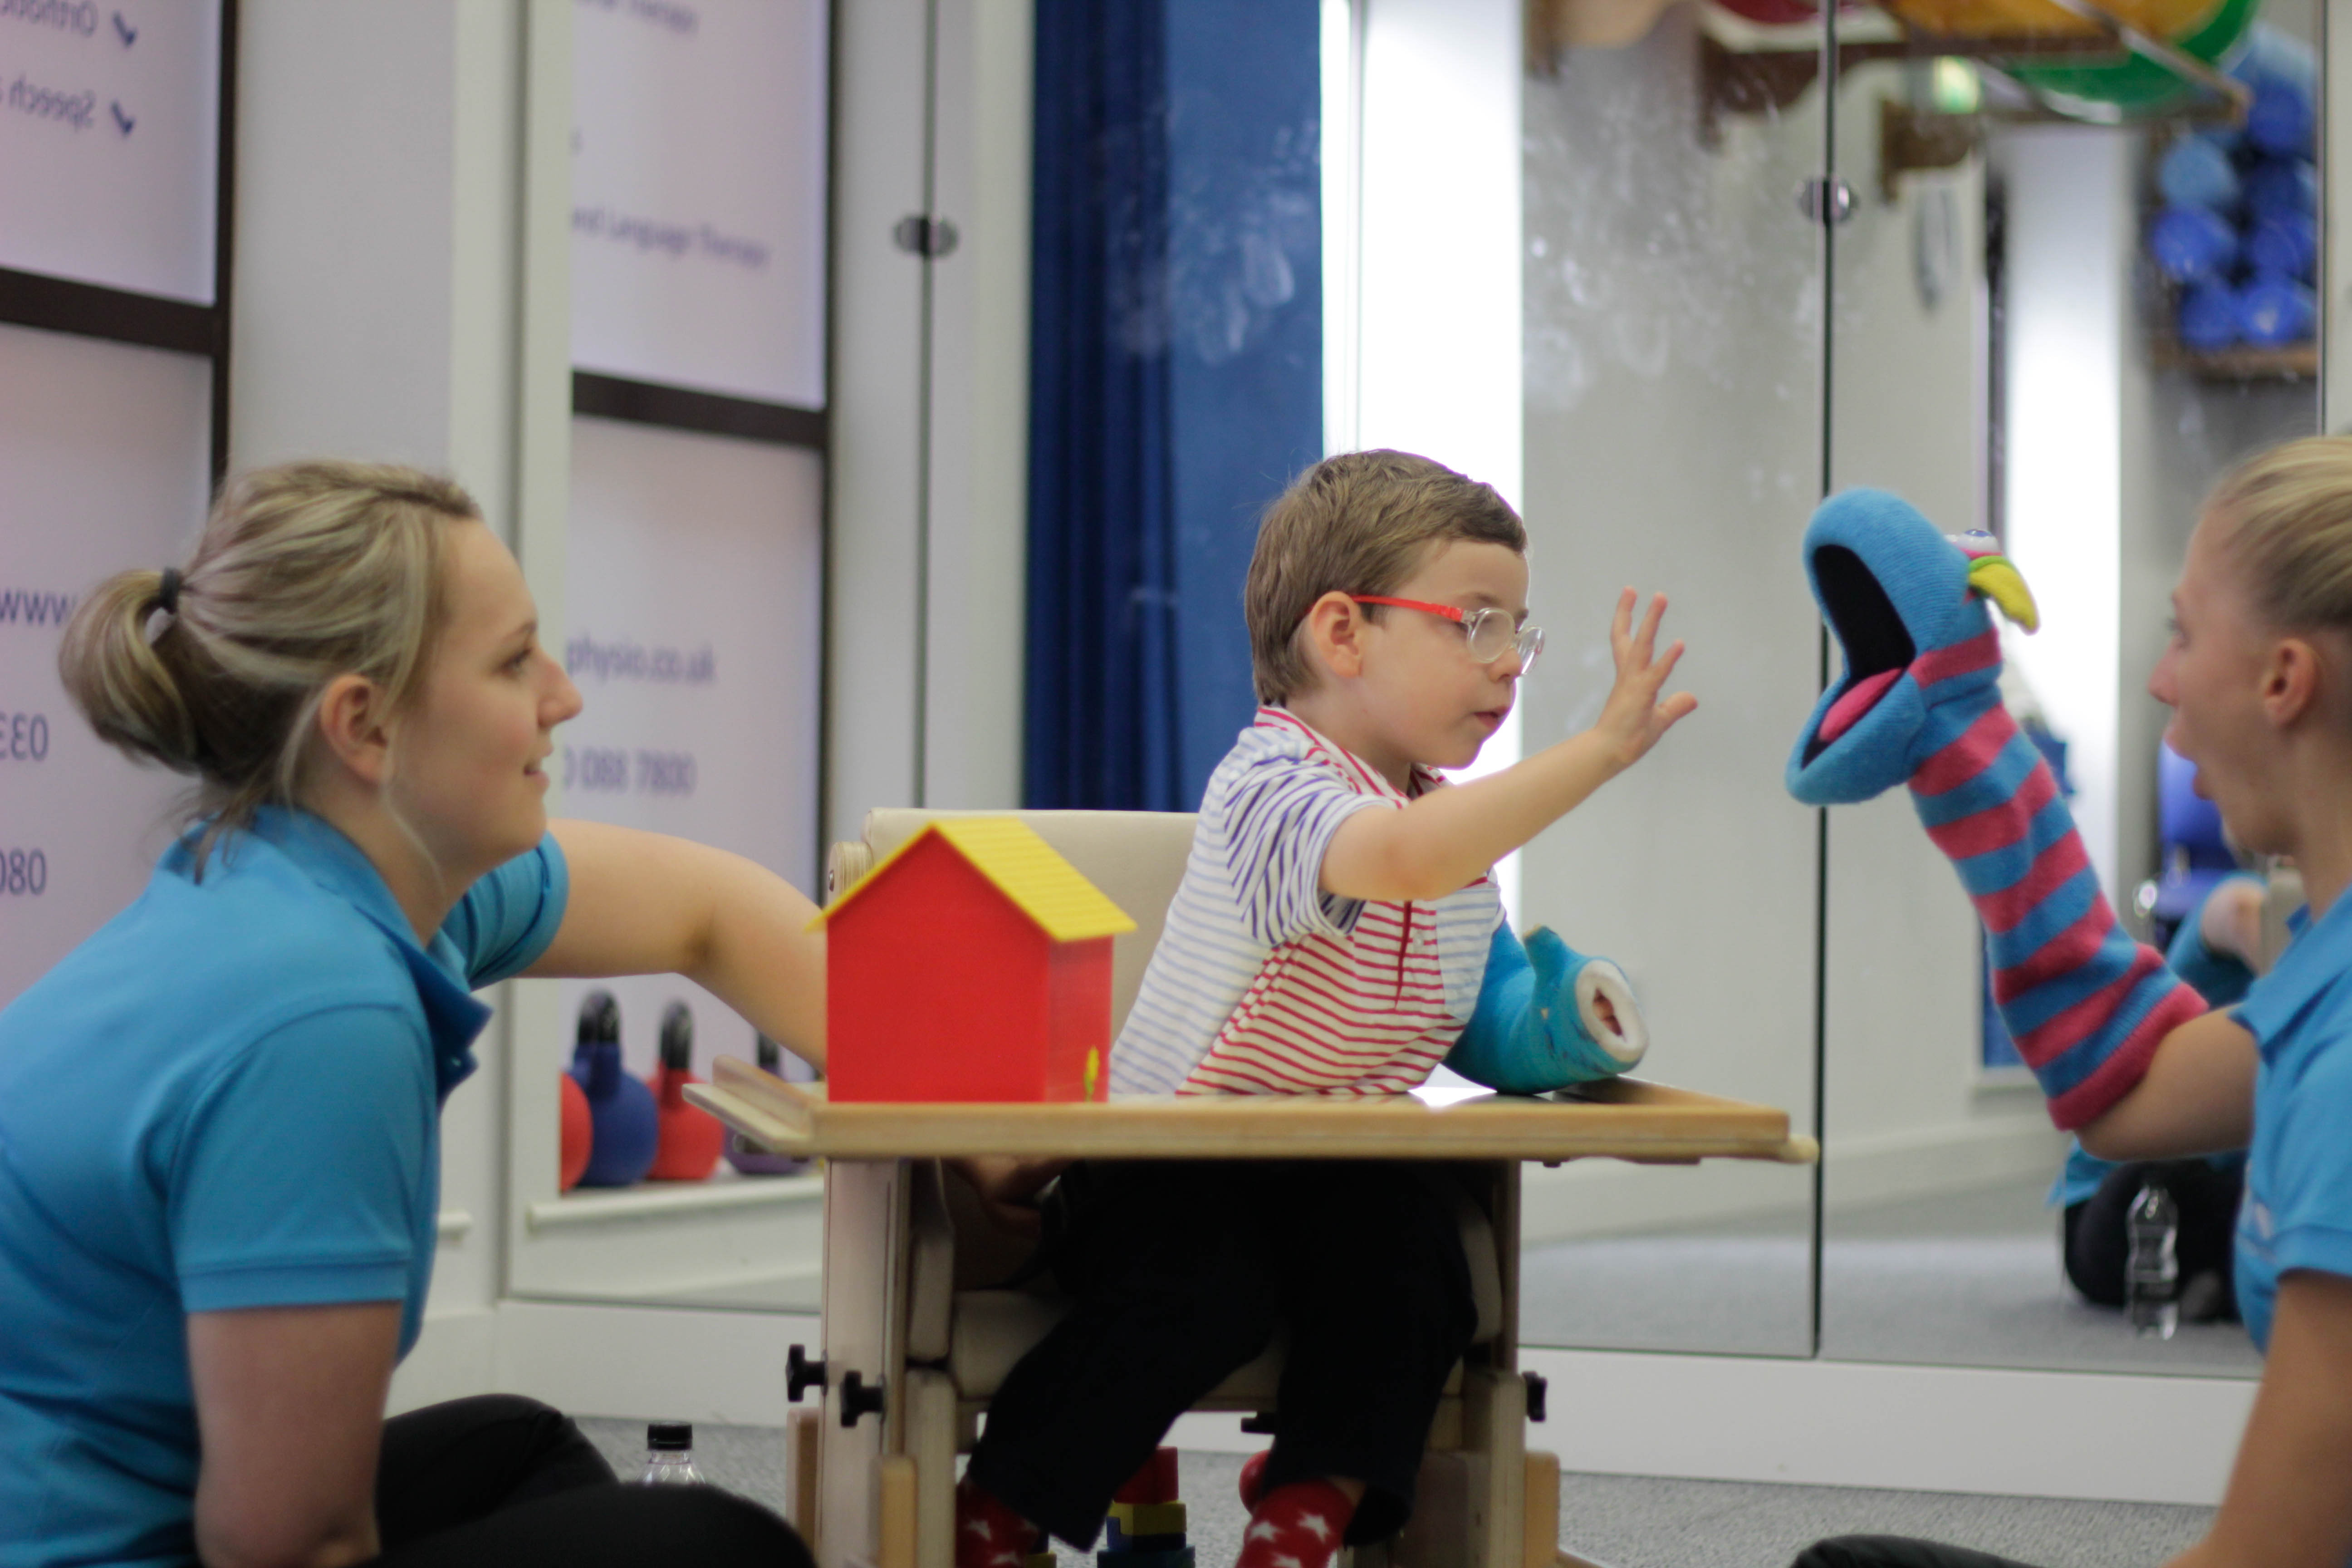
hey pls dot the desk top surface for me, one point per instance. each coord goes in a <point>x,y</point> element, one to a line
<point>1623,1118</point>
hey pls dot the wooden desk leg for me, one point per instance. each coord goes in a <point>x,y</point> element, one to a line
<point>931,1446</point>
<point>804,1433</point>
<point>866,1251</point>
<point>1542,1510</point>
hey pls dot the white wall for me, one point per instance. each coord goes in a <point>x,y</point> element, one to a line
<point>375,313</point>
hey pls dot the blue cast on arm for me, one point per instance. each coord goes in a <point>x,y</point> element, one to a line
<point>1527,1033</point>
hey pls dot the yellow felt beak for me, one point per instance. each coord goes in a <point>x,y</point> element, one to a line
<point>1996,579</point>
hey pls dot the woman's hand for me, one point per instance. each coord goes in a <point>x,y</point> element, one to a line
<point>2230,923</point>
<point>644,903</point>
<point>1008,1187</point>
<point>289,1415</point>
<point>1634,717</point>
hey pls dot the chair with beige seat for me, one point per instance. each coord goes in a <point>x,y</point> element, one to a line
<point>919,1330</point>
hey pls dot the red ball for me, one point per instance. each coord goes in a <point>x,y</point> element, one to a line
<point>579,1134</point>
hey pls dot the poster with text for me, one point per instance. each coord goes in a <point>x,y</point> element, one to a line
<point>692,603</point>
<point>699,194</point>
<point>109,138</point>
<point>104,457</point>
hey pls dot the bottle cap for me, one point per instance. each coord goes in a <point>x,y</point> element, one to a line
<point>670,1436</point>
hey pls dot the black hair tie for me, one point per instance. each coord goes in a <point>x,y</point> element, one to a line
<point>167,596</point>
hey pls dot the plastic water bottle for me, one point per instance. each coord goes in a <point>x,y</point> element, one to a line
<point>669,1455</point>
<point>2152,1277</point>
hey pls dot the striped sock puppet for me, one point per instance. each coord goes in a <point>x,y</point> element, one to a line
<point>1919,702</point>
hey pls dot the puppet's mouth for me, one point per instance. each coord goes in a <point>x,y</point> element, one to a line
<point>1878,647</point>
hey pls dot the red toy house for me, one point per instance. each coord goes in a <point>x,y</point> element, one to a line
<point>973,964</point>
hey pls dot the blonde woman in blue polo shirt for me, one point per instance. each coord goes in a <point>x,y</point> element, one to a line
<point>2258,675</point>
<point>218,1147</point>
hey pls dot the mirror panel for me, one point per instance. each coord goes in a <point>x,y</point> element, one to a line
<point>1673,358</point>
<point>2005,354</point>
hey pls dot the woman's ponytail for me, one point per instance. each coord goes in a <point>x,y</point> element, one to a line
<point>117,674</point>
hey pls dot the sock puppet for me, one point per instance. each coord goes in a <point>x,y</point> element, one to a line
<point>1538,1025</point>
<point>1918,703</point>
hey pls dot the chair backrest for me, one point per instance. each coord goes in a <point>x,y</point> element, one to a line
<point>1136,858</point>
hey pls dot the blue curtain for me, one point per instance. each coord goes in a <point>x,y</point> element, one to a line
<point>1175,376</point>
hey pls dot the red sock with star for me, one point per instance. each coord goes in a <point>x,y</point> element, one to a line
<point>988,1533</point>
<point>1296,1526</point>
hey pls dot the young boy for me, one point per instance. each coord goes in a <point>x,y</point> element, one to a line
<point>1338,930</point>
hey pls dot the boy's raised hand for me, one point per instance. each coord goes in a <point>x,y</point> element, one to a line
<point>1634,717</point>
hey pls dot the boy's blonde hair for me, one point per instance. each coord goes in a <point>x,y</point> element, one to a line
<point>2288,513</point>
<point>1357,523</point>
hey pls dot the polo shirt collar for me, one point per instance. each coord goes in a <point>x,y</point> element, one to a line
<point>1361,776</point>
<point>453,1017</point>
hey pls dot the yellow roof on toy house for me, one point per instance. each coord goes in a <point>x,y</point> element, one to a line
<point>1023,866</point>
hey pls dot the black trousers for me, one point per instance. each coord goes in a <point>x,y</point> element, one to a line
<point>2098,1241</point>
<point>1182,1272</point>
<point>500,1479</point>
<point>1894,1551</point>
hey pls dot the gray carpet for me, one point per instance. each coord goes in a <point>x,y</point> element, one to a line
<point>1618,1520</point>
<point>1635,1522</point>
<point>1965,1279</point>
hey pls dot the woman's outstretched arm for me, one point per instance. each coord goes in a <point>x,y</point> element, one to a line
<point>2198,1097</point>
<point>644,903</point>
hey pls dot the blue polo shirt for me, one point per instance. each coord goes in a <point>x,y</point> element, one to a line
<point>228,1097</point>
<point>2298,1211</point>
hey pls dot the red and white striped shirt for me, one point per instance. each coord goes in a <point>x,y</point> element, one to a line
<point>1262,983</point>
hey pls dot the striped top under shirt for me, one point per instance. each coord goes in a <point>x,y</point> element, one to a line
<point>1262,983</point>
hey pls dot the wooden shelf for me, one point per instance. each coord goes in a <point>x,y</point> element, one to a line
<point>2297,363</point>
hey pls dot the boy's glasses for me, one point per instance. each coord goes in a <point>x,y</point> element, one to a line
<point>1489,632</point>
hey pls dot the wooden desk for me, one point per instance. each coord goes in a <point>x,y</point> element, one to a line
<point>1624,1119</point>
<point>880,1492</point>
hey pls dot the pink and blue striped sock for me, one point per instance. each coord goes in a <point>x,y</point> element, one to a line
<point>2085,1004</point>
<point>1919,702</point>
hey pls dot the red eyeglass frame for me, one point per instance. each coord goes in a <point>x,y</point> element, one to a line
<point>1460,617</point>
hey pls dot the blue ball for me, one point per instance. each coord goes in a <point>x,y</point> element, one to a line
<point>2270,54</point>
<point>621,1110</point>
<point>2282,186</point>
<point>2197,172</point>
<point>2209,317</point>
<point>2280,120</point>
<point>2284,244</point>
<point>2276,311</point>
<point>2191,244</point>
